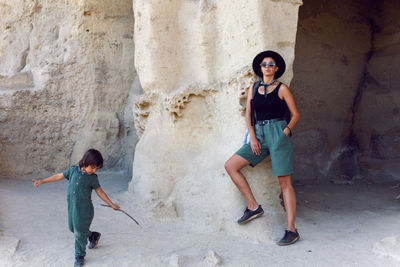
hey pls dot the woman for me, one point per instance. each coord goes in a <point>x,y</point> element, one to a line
<point>269,135</point>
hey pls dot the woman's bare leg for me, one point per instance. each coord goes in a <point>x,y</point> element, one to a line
<point>289,199</point>
<point>233,167</point>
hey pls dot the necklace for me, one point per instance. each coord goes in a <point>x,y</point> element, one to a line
<point>266,85</point>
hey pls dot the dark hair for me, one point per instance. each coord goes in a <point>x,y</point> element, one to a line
<point>91,157</point>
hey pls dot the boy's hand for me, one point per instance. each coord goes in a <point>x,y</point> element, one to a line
<point>36,183</point>
<point>116,207</point>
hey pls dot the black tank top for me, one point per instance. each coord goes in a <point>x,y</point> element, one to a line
<point>270,107</point>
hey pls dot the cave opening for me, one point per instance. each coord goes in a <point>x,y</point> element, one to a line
<point>347,143</point>
<point>346,85</point>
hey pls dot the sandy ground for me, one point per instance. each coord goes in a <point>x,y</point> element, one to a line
<point>340,225</point>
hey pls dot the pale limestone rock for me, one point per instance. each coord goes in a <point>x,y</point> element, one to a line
<point>211,260</point>
<point>66,77</point>
<point>388,246</point>
<point>193,59</point>
<point>176,260</point>
<point>18,81</point>
<point>180,43</point>
<point>164,210</point>
<point>8,247</point>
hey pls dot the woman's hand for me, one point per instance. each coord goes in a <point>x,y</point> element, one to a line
<point>36,182</point>
<point>255,146</point>
<point>286,131</point>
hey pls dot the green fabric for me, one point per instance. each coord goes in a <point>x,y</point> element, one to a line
<point>80,206</point>
<point>276,144</point>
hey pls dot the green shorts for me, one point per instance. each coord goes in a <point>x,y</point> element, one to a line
<point>274,143</point>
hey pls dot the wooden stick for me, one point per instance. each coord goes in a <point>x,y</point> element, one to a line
<point>104,205</point>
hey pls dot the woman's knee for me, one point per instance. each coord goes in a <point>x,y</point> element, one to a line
<point>229,166</point>
<point>232,165</point>
<point>285,182</point>
<point>235,164</point>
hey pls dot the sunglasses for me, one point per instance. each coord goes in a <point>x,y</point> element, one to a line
<point>265,64</point>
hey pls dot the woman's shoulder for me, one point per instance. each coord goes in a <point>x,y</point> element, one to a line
<point>283,91</point>
<point>283,86</point>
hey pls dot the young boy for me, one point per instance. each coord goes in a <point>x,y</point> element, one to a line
<point>81,181</point>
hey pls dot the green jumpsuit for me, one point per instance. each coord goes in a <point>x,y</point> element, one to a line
<point>80,207</point>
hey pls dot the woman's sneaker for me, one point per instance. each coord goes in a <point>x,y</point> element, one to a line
<point>289,238</point>
<point>79,261</point>
<point>94,239</point>
<point>250,215</point>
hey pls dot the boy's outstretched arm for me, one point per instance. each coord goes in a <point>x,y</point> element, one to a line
<point>105,198</point>
<point>54,178</point>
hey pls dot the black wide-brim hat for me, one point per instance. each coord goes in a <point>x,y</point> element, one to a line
<point>280,62</point>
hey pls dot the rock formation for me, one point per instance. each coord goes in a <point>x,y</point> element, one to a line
<point>66,72</point>
<point>347,88</point>
<point>194,63</point>
<point>72,73</point>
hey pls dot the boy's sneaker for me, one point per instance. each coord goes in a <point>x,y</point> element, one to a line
<point>94,239</point>
<point>79,261</point>
<point>250,215</point>
<point>289,238</point>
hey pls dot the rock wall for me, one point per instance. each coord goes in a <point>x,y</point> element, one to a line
<point>377,123</point>
<point>71,72</point>
<point>67,80</point>
<point>346,87</point>
<point>194,63</point>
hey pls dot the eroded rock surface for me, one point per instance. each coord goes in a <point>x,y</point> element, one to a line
<point>193,59</point>
<point>66,71</point>
<point>347,88</point>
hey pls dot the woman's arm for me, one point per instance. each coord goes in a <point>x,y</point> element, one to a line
<point>248,110</point>
<point>254,143</point>
<point>105,198</point>
<point>285,94</point>
<point>54,178</point>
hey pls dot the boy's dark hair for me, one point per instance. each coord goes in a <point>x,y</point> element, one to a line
<point>92,157</point>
